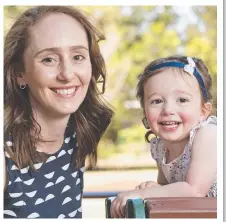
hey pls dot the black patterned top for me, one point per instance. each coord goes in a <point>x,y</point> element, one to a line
<point>53,191</point>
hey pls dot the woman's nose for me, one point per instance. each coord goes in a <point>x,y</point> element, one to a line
<point>67,71</point>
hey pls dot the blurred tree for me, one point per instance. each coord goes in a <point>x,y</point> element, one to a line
<point>136,35</point>
<point>202,41</point>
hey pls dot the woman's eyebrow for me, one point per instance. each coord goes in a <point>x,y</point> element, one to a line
<point>76,47</point>
<point>58,49</point>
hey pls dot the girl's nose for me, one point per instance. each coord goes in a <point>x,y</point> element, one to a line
<point>168,108</point>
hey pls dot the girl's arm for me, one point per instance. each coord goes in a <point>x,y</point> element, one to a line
<point>161,180</point>
<point>202,170</point>
<point>203,167</point>
<point>179,189</point>
<point>161,177</point>
<point>201,174</point>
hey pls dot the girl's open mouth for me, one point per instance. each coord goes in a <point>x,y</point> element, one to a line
<point>170,125</point>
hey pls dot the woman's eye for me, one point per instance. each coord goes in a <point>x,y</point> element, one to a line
<point>156,101</point>
<point>78,57</point>
<point>48,61</point>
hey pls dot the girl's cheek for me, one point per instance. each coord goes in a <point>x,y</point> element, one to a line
<point>152,118</point>
<point>152,115</point>
<point>189,118</point>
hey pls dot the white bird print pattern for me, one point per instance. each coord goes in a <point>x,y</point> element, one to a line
<point>53,190</point>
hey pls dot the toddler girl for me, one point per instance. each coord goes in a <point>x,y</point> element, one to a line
<point>174,93</point>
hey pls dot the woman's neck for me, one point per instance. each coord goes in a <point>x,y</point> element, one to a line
<point>52,132</point>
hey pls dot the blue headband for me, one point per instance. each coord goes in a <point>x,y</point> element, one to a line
<point>189,68</point>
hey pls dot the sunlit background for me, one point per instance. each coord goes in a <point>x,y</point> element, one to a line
<point>136,35</point>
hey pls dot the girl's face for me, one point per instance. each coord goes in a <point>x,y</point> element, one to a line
<point>57,65</point>
<point>173,104</point>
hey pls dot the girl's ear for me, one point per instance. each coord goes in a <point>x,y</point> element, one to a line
<point>145,122</point>
<point>206,110</point>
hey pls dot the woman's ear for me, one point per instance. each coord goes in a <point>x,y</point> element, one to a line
<point>206,110</point>
<point>19,73</point>
<point>20,78</point>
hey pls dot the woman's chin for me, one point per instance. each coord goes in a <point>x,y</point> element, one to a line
<point>63,111</point>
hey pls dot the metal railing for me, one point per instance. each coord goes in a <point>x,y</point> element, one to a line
<point>102,194</point>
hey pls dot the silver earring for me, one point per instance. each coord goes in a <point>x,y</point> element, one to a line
<point>22,85</point>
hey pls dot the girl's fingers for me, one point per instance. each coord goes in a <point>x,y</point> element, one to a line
<point>122,208</point>
<point>143,185</point>
<point>112,210</point>
<point>119,210</point>
<point>115,209</point>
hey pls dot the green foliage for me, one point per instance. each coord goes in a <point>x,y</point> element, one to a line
<point>107,149</point>
<point>132,134</point>
<point>135,35</point>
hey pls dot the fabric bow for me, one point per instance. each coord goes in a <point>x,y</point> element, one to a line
<point>189,68</point>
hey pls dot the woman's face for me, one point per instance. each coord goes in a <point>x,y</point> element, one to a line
<point>57,65</point>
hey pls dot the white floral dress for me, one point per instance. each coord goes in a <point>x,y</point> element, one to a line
<point>176,170</point>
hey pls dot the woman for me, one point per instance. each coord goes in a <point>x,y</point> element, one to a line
<point>54,115</point>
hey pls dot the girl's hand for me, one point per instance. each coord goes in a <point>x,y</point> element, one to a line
<point>119,203</point>
<point>146,184</point>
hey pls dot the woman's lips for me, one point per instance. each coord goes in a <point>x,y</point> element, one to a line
<point>65,91</point>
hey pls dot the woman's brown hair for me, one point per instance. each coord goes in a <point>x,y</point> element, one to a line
<point>142,78</point>
<point>90,120</point>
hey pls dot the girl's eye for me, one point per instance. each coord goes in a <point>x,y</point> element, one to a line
<point>183,100</point>
<point>78,57</point>
<point>156,101</point>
